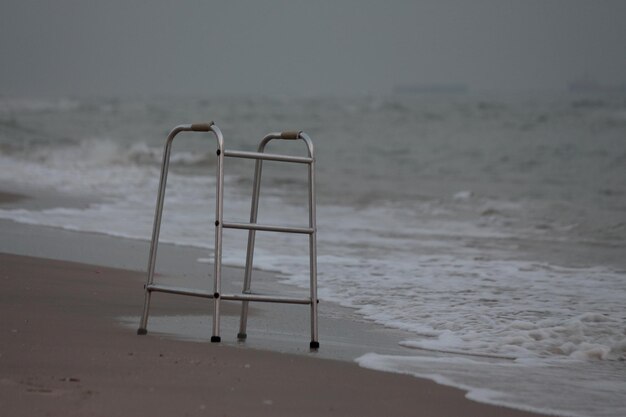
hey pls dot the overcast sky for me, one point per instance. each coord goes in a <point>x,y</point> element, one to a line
<point>112,47</point>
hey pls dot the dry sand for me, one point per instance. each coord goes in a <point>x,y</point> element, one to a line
<point>63,353</point>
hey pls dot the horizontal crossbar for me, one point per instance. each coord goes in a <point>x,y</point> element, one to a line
<point>227,297</point>
<point>268,156</point>
<point>180,290</point>
<point>265,298</point>
<point>254,226</point>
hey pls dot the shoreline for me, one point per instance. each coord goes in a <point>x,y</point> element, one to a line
<point>277,327</point>
<point>62,345</point>
<point>343,334</point>
<point>64,354</point>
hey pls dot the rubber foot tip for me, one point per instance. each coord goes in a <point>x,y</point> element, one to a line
<point>314,345</point>
<point>242,336</point>
<point>216,339</point>
<point>141,332</point>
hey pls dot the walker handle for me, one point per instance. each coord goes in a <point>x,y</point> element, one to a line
<point>201,127</point>
<point>290,135</point>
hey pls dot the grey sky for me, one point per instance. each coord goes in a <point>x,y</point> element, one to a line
<point>304,47</point>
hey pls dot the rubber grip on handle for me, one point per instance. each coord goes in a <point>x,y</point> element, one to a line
<point>290,135</point>
<point>201,127</point>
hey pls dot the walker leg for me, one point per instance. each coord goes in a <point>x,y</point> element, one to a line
<point>254,209</point>
<point>154,243</point>
<point>143,326</point>
<point>313,258</point>
<point>217,273</point>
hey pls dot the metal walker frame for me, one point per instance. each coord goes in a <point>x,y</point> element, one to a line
<point>246,295</point>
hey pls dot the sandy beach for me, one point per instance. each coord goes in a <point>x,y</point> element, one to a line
<point>64,352</point>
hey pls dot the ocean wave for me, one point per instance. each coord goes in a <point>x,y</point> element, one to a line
<point>141,153</point>
<point>22,104</point>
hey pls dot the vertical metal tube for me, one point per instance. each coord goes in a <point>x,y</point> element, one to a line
<point>219,207</point>
<point>312,244</point>
<point>254,210</point>
<point>157,227</point>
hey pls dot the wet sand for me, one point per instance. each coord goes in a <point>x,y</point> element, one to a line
<point>62,353</point>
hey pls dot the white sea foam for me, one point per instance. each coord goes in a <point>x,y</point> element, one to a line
<point>540,386</point>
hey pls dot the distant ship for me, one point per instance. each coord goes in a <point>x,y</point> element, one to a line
<point>587,85</point>
<point>453,88</point>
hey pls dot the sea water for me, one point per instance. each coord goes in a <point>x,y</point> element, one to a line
<point>491,227</point>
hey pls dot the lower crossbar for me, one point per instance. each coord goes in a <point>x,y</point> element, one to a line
<point>180,290</point>
<point>227,297</point>
<point>265,298</point>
